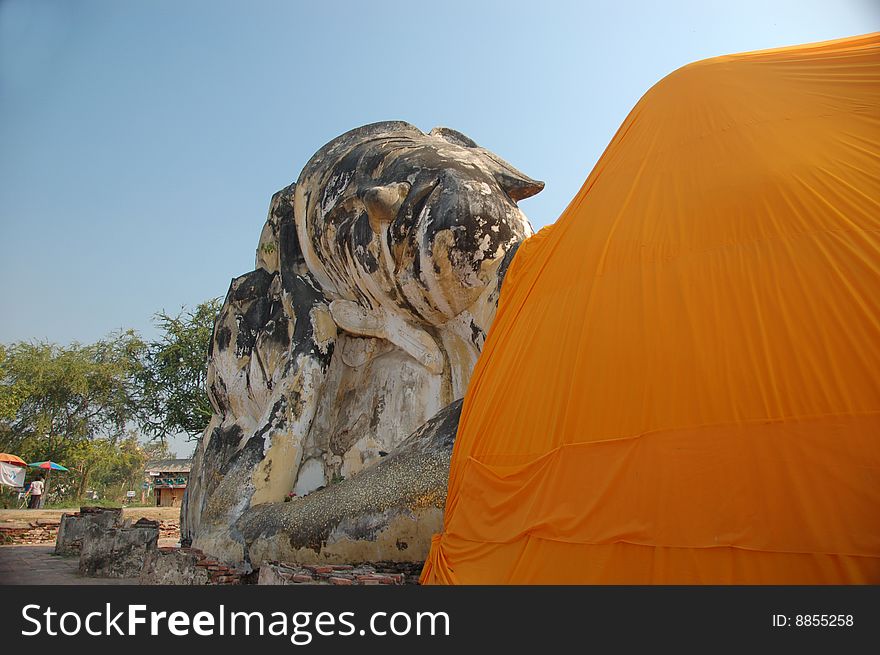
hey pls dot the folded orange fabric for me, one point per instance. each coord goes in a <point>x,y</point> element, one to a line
<point>682,383</point>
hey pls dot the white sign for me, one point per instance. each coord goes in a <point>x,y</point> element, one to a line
<point>12,475</point>
<point>129,494</point>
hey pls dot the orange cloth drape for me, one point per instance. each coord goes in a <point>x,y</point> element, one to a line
<point>682,383</point>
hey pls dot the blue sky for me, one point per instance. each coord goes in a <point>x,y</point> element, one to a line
<point>140,142</point>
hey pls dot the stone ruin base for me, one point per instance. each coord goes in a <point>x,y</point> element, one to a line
<point>379,573</point>
<point>190,566</point>
<point>186,566</point>
<point>75,527</point>
<point>117,552</point>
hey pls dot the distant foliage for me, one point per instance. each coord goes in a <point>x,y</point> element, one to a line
<point>171,381</point>
<point>52,396</point>
<point>71,404</point>
<point>86,406</point>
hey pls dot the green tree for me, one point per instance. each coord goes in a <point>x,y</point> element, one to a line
<point>76,404</point>
<point>118,466</point>
<point>173,373</point>
<point>55,396</point>
<point>108,465</point>
<point>57,400</point>
<point>11,395</point>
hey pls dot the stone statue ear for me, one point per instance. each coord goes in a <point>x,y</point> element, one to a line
<point>517,185</point>
<point>383,202</point>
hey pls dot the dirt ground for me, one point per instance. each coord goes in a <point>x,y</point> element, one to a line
<point>37,565</point>
<point>134,513</point>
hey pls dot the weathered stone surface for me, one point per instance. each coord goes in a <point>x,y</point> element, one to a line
<point>75,527</point>
<point>377,278</point>
<point>274,573</point>
<point>117,552</point>
<point>173,567</point>
<point>187,566</point>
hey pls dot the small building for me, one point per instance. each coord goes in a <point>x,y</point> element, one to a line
<point>168,478</point>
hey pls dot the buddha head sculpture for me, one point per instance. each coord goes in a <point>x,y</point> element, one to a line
<point>377,277</point>
<point>392,221</point>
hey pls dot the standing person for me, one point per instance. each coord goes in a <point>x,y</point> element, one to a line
<point>36,500</point>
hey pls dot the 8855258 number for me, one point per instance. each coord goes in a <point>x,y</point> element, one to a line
<point>823,620</point>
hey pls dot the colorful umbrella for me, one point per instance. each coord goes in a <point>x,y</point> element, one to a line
<point>49,465</point>
<point>12,459</point>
